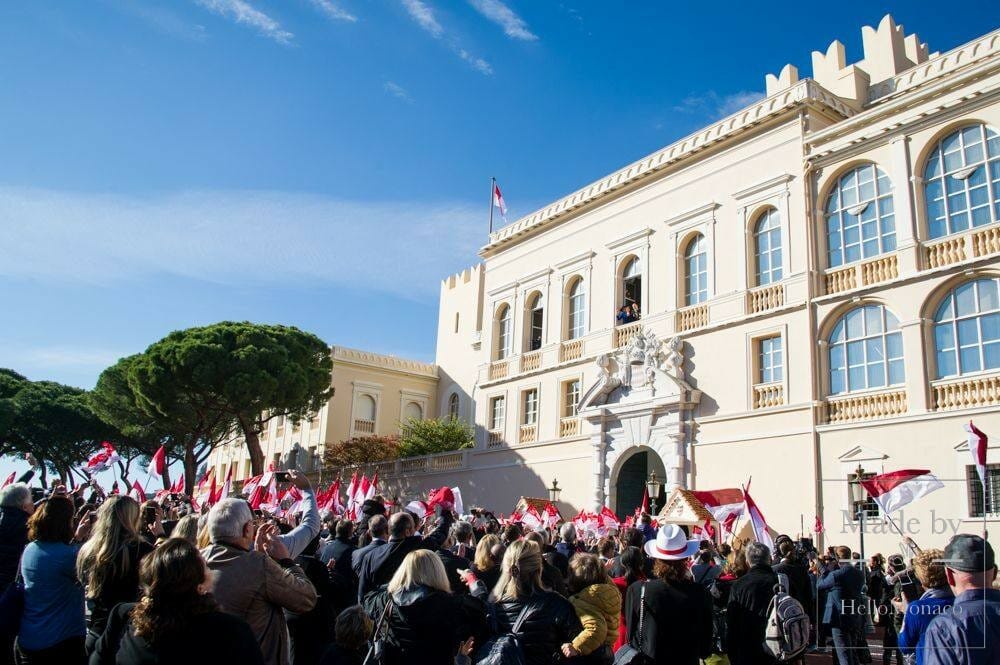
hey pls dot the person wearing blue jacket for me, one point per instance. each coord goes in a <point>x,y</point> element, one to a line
<point>935,601</point>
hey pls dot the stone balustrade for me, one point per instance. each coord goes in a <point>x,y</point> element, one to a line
<point>986,241</point>
<point>881,269</point>
<point>764,298</point>
<point>692,317</point>
<point>494,439</point>
<point>766,395</point>
<point>571,350</point>
<point>498,370</point>
<point>531,361</point>
<point>836,281</point>
<point>362,426</point>
<point>569,427</point>
<point>966,393</point>
<point>625,333</point>
<point>868,406</point>
<point>528,434</point>
<point>945,252</point>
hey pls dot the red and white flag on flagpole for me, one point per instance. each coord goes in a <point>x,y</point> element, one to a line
<point>352,489</point>
<point>102,460</point>
<point>725,505</point>
<point>644,508</point>
<point>157,463</point>
<point>10,479</point>
<point>140,494</point>
<point>372,488</point>
<point>977,448</point>
<point>896,489</point>
<point>757,521</point>
<point>498,201</point>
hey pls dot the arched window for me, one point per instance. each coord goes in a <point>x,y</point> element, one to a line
<point>695,271</point>
<point>963,181</point>
<point>413,411</point>
<point>967,329</point>
<point>576,310</point>
<point>453,405</point>
<point>535,322</point>
<point>860,222</point>
<point>364,408</point>
<point>503,333</point>
<point>767,248</point>
<point>632,283</point>
<point>866,350</point>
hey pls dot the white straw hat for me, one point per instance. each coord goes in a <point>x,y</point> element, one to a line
<point>671,544</point>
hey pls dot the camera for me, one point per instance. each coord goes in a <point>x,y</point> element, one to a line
<point>282,477</point>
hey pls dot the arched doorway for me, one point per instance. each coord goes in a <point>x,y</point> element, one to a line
<point>630,481</point>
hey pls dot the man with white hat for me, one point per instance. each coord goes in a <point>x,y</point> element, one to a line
<point>675,613</point>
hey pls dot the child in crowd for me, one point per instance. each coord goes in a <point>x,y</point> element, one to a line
<point>597,602</point>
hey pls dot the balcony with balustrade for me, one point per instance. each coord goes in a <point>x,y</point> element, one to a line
<point>568,427</point>
<point>765,298</point>
<point>695,316</point>
<point>967,392</point>
<point>625,333</point>
<point>864,406</point>
<point>570,350</point>
<point>768,395</point>
<point>362,426</point>
<point>528,433</point>
<point>972,244</point>
<point>864,273</point>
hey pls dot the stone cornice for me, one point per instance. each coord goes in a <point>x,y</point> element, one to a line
<point>805,92</point>
<point>763,186</point>
<point>706,210</point>
<point>380,361</point>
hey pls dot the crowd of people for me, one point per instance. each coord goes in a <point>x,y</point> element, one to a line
<point>112,581</point>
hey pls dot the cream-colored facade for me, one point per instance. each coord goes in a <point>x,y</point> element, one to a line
<point>373,394</point>
<point>734,370</point>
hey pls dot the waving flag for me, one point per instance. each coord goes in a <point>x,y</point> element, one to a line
<point>140,494</point>
<point>531,518</point>
<point>551,515</point>
<point>498,201</point>
<point>372,488</point>
<point>896,489</point>
<point>644,508</point>
<point>157,463</point>
<point>977,448</point>
<point>10,479</point>
<point>725,505</point>
<point>352,489</point>
<point>459,506</point>
<point>757,522</point>
<point>103,459</point>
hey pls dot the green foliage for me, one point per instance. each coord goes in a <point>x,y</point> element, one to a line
<point>362,450</point>
<point>434,435</point>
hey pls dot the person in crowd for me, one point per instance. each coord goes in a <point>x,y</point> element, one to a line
<point>52,627</point>
<point>634,313</point>
<point>565,548</point>
<point>795,569</point>
<point>880,600</point>
<point>369,509</point>
<point>705,571</point>
<point>937,599</point>
<point>296,540</point>
<point>256,578</point>
<point>176,620</point>
<point>15,509</point>
<point>970,633</point>
<point>378,530</point>
<point>632,562</point>
<point>646,527</point>
<point>187,528</point>
<point>677,616</point>
<point>552,579</point>
<point>623,316</point>
<point>746,611</point>
<point>351,634</point>
<point>548,619</point>
<point>151,523</point>
<point>426,623</point>
<point>453,563</point>
<point>465,540</point>
<point>511,532</point>
<point>108,563</point>
<point>485,565</point>
<point>606,551</point>
<point>338,552</point>
<point>629,537</point>
<point>845,605</point>
<point>597,602</point>
<point>381,563</point>
<point>311,632</point>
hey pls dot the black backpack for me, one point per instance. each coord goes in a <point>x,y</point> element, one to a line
<point>503,649</point>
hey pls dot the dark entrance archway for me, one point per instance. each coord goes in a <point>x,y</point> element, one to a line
<point>631,482</point>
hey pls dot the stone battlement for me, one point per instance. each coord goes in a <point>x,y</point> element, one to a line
<point>464,277</point>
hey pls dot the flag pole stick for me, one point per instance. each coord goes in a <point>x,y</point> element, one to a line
<point>493,186</point>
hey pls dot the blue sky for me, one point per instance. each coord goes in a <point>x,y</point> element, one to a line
<point>324,163</point>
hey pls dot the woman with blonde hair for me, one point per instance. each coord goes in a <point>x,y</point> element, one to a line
<point>485,565</point>
<point>108,564</point>
<point>520,605</point>
<point>936,600</point>
<point>425,623</point>
<point>186,528</point>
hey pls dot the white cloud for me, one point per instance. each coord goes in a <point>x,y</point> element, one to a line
<point>59,357</point>
<point>513,25</point>
<point>424,17</point>
<point>162,19</point>
<point>397,91</point>
<point>237,238</point>
<point>243,12</point>
<point>717,106</point>
<point>477,63</point>
<point>334,12</point>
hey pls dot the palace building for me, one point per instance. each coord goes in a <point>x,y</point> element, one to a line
<point>810,287</point>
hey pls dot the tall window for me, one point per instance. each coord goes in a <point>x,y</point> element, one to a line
<point>992,505</point>
<point>870,506</point>
<point>503,332</point>
<point>497,413</point>
<point>696,271</point>
<point>770,359</point>
<point>536,321</point>
<point>963,181</point>
<point>866,350</point>
<point>967,329</point>
<point>571,397</point>
<point>632,283</point>
<point>413,411</point>
<point>860,221</point>
<point>575,324</point>
<point>530,407</point>
<point>767,250</point>
<point>453,405</point>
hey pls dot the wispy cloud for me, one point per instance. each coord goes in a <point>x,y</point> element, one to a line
<point>399,247</point>
<point>161,19</point>
<point>397,91</point>
<point>717,106</point>
<point>334,12</point>
<point>423,16</point>
<point>61,356</point>
<point>513,25</point>
<point>244,13</point>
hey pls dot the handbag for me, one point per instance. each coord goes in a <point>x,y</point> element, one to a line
<point>12,606</point>
<point>629,654</point>
<point>376,650</point>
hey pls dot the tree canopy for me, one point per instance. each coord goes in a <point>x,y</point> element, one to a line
<point>434,435</point>
<point>362,450</point>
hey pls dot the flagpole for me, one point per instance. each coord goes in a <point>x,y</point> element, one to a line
<point>493,187</point>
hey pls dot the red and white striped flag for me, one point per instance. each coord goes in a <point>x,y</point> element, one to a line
<point>157,463</point>
<point>896,489</point>
<point>757,521</point>
<point>102,460</point>
<point>352,489</point>
<point>498,201</point>
<point>10,479</point>
<point>372,488</point>
<point>977,448</point>
<point>140,494</point>
<point>725,505</point>
<point>531,518</point>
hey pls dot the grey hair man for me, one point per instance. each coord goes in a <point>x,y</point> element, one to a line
<point>255,576</point>
<point>746,616</point>
<point>15,508</point>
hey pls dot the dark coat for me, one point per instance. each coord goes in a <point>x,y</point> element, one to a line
<point>358,555</point>
<point>799,584</point>
<point>426,625</point>
<point>559,560</point>
<point>452,564</point>
<point>123,589</point>
<point>13,540</point>
<point>310,632</point>
<point>553,579</point>
<point>677,627</point>
<point>746,616</point>
<point>381,563</point>
<point>338,655</point>
<point>549,623</point>
<point>844,586</point>
<point>215,637</point>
